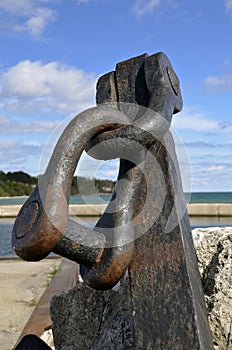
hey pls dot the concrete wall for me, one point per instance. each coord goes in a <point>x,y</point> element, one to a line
<point>194,209</point>
<point>9,211</point>
<point>210,209</point>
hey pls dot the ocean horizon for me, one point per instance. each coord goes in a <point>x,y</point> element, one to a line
<point>194,197</point>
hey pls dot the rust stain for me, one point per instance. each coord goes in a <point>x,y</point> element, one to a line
<point>108,278</point>
<point>163,253</point>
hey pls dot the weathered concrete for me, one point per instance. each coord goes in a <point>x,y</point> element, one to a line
<point>214,252</point>
<point>9,211</point>
<point>21,286</point>
<point>194,209</point>
<point>86,209</point>
<point>210,209</point>
<point>65,278</point>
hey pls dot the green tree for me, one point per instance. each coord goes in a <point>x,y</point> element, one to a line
<point>16,184</point>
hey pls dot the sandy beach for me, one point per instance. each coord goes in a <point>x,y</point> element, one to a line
<point>21,285</point>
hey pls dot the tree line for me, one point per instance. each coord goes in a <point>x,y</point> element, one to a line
<point>16,184</point>
<point>20,183</point>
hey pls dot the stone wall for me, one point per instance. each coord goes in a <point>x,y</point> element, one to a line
<point>214,254</point>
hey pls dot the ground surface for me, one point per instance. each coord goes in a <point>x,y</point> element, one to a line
<point>21,286</point>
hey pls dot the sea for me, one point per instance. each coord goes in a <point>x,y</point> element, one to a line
<point>6,224</point>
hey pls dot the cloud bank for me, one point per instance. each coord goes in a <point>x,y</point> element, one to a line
<point>194,121</point>
<point>219,83</point>
<point>29,127</point>
<point>32,86</point>
<point>31,16</point>
<point>228,4</point>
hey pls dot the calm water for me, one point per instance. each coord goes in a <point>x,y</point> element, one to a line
<point>197,197</point>
<point>90,199</point>
<point>211,197</point>
<point>6,226</point>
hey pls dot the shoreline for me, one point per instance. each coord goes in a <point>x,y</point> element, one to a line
<point>194,209</point>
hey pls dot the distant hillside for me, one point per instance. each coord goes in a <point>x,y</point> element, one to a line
<point>22,184</point>
<point>16,184</point>
<point>84,185</point>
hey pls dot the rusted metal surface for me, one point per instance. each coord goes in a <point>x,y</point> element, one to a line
<point>167,301</point>
<point>42,224</point>
<point>144,128</point>
<point>145,229</point>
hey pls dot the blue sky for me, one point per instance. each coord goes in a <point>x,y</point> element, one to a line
<point>53,51</point>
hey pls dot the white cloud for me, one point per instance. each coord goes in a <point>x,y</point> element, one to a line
<point>15,152</point>
<point>49,87</point>
<point>194,121</point>
<point>142,7</point>
<point>199,144</point>
<point>18,7</point>
<point>37,22</point>
<point>219,84</point>
<point>4,122</point>
<point>215,168</point>
<point>6,125</point>
<point>228,4</point>
<point>31,16</point>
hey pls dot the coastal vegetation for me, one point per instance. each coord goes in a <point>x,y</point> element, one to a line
<point>20,183</point>
<point>16,184</point>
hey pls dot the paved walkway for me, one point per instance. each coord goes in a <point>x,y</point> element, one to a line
<point>21,286</point>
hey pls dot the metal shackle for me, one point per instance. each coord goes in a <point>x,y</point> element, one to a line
<point>42,224</point>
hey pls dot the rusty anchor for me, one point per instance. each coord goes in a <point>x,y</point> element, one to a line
<point>135,108</point>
